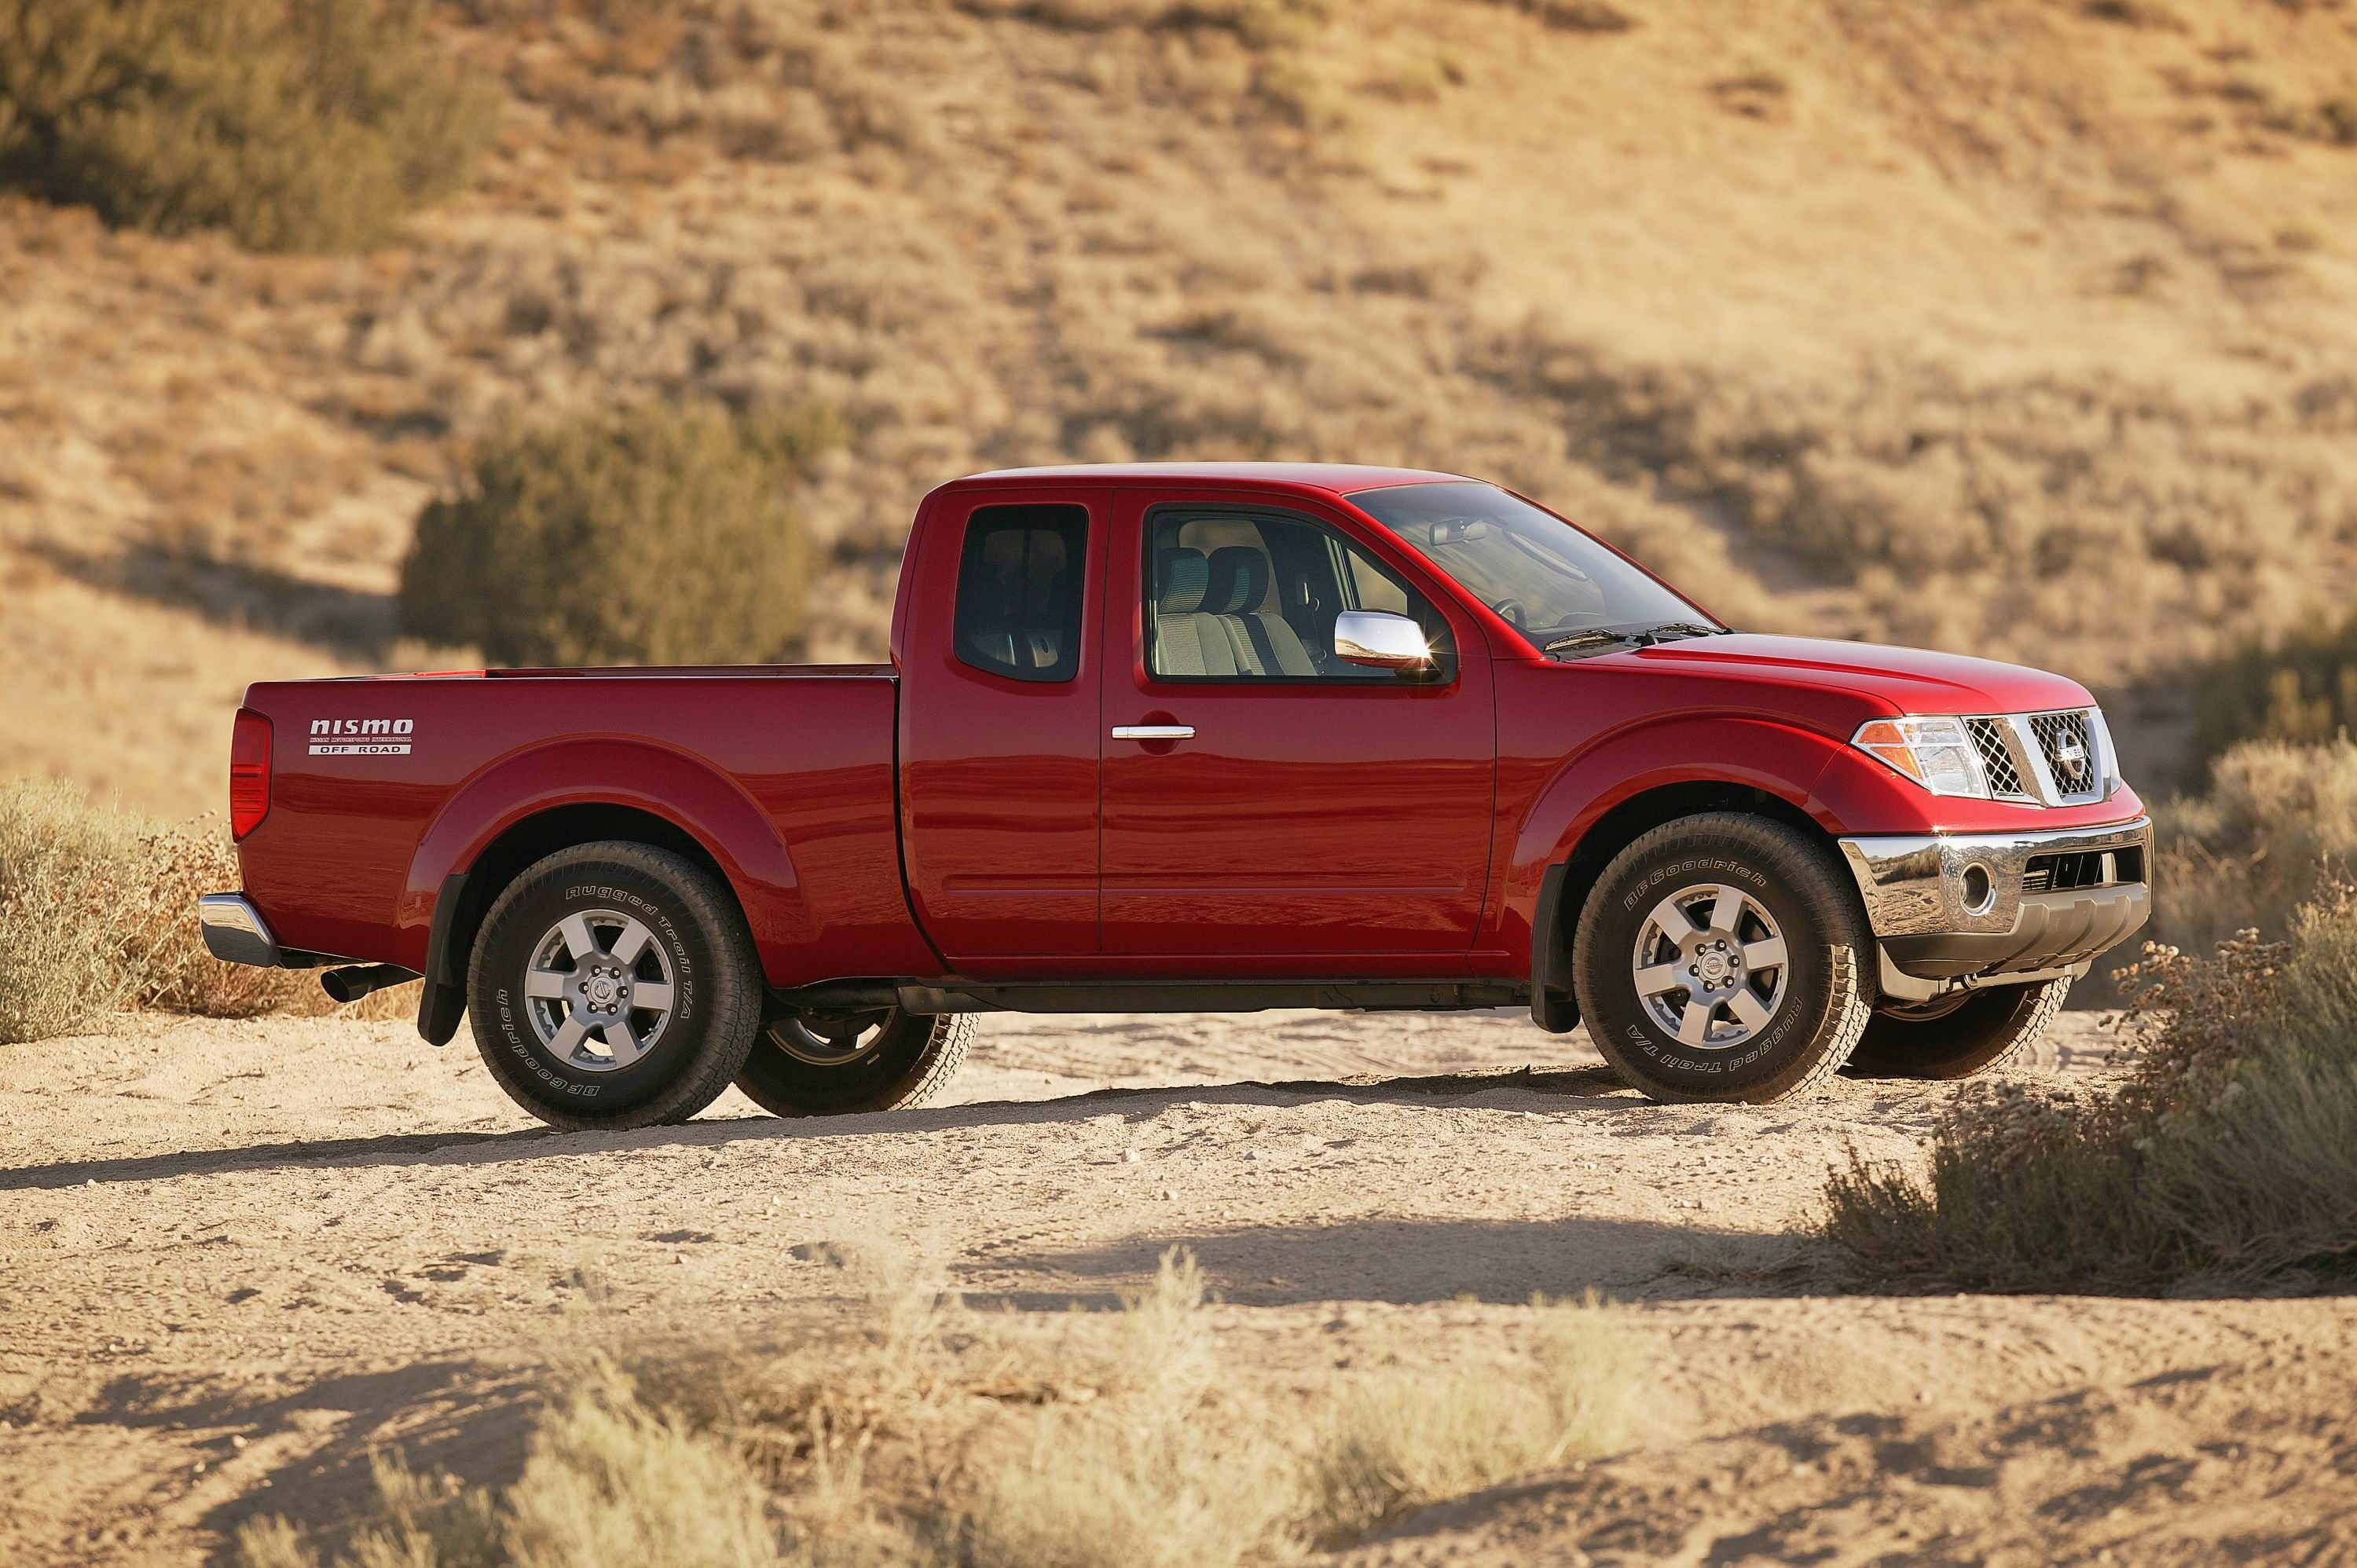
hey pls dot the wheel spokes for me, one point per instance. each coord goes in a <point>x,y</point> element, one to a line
<point>578,938</point>
<point>621,1040</point>
<point>546,983</point>
<point>1766,953</point>
<point>1660,978</point>
<point>1749,1010</point>
<point>1726,911</point>
<point>651,995</point>
<point>1670,917</point>
<point>1693,1024</point>
<point>631,941</point>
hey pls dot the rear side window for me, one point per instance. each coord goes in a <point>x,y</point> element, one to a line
<point>1018,596</point>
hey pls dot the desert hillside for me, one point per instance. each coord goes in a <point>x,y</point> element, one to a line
<point>2018,325</point>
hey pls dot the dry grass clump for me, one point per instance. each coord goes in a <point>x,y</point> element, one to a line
<point>98,913</point>
<point>1409,1439</point>
<point>2251,850</point>
<point>2230,1152</point>
<point>294,124</point>
<point>659,535</point>
<point>924,1433</point>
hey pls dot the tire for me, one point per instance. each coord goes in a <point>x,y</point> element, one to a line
<point>1983,1031</point>
<point>665,1064</point>
<point>843,1064</point>
<point>1717,894</point>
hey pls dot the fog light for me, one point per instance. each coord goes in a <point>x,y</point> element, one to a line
<point>1980,890</point>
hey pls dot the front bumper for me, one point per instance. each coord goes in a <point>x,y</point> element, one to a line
<point>1965,907</point>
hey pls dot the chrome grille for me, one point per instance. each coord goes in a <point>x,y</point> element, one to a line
<point>1997,758</point>
<point>2068,749</point>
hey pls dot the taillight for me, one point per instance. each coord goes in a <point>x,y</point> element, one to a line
<point>248,773</point>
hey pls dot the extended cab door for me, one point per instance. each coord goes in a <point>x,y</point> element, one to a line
<point>1261,796</point>
<point>999,720</point>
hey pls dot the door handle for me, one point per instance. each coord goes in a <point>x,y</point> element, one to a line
<point>1154,732</point>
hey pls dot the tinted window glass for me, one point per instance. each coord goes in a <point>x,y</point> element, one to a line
<point>1251,596</point>
<point>1020,584</point>
<point>1542,575</point>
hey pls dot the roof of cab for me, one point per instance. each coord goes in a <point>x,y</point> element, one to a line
<point>1340,479</point>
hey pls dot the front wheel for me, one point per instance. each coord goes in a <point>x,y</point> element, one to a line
<point>1959,1035</point>
<point>839,1064</point>
<point>1722,957</point>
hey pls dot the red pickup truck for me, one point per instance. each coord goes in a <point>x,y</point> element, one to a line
<point>1203,736</point>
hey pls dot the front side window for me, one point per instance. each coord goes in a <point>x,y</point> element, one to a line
<point>1019,591</point>
<point>1543,577</point>
<point>1250,596</point>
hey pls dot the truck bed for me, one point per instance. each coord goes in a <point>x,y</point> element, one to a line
<point>384,787</point>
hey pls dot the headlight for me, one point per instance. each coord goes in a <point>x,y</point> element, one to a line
<point>1938,754</point>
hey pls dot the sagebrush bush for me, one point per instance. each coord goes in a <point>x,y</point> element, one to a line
<point>2301,688</point>
<point>664,534</point>
<point>2229,1153</point>
<point>293,125</point>
<point>2250,849</point>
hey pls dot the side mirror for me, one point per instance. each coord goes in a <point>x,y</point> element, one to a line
<point>1381,641</point>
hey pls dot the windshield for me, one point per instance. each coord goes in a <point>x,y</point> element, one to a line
<point>1543,577</point>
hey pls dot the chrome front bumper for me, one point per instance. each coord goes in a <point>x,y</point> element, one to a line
<point>235,932</point>
<point>1954,908</point>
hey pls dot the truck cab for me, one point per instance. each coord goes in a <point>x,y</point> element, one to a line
<point>1204,737</point>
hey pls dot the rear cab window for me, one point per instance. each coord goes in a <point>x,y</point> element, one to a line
<point>1020,585</point>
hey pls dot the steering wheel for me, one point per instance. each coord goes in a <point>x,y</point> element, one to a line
<point>1513,612</point>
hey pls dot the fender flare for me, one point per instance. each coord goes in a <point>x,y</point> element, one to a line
<point>690,795</point>
<point>1739,750</point>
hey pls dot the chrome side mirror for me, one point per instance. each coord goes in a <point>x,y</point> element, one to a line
<point>1379,640</point>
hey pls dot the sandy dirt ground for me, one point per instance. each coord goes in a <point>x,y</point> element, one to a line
<point>235,1258</point>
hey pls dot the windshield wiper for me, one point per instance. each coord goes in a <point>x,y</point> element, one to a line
<point>1596,636</point>
<point>1645,636</point>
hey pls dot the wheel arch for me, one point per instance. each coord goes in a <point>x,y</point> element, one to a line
<point>1628,784</point>
<point>532,806</point>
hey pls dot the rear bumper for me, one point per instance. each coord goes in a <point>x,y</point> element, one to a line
<point>1963,907</point>
<point>235,932</point>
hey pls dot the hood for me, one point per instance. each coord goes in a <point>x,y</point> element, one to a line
<point>1910,680</point>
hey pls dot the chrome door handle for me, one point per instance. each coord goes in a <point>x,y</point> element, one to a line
<point>1154,732</point>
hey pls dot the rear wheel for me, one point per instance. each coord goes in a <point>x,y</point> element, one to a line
<point>614,984</point>
<point>1721,957</point>
<point>1960,1034</point>
<point>839,1064</point>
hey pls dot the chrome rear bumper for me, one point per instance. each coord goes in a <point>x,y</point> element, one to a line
<point>1965,907</point>
<point>235,932</point>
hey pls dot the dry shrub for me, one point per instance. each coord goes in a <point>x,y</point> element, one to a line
<point>294,124</point>
<point>2249,851</point>
<point>2229,1153</point>
<point>924,1432</point>
<point>98,913</point>
<point>2299,687</point>
<point>660,535</point>
<point>1412,1438</point>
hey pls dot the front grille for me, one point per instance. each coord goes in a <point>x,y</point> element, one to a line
<point>1997,758</point>
<point>2069,750</point>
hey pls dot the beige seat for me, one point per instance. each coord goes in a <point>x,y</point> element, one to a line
<point>1264,641</point>
<point>1187,639</point>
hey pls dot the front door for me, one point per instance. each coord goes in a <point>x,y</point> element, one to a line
<point>1261,796</point>
<point>998,724</point>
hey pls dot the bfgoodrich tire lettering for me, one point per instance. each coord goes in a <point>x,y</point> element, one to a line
<point>1983,1031</point>
<point>885,1060</point>
<point>1804,919</point>
<point>687,947</point>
